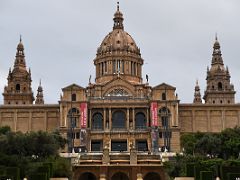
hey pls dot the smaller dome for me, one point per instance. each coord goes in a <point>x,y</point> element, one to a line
<point>20,46</point>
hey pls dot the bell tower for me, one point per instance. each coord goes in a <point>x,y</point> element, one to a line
<point>18,90</point>
<point>219,89</point>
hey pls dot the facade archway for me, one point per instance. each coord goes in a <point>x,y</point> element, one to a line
<point>73,116</point>
<point>140,121</point>
<point>87,176</point>
<point>97,121</point>
<point>152,176</point>
<point>119,176</point>
<point>118,120</point>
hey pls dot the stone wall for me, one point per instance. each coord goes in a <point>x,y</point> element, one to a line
<point>27,118</point>
<point>208,118</point>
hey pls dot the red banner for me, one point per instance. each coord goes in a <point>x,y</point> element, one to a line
<point>83,118</point>
<point>154,114</point>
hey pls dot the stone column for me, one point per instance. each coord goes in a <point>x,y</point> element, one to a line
<point>30,121</point>
<point>45,121</point>
<point>139,176</point>
<point>133,155</point>
<point>208,121</point>
<point>133,117</point>
<point>223,119</point>
<point>102,177</point>
<point>193,121</point>
<point>127,118</point>
<point>104,118</point>
<point>90,118</point>
<point>110,118</point>
<point>65,117</point>
<point>238,118</point>
<point>105,157</point>
<point>148,123</point>
<point>15,120</point>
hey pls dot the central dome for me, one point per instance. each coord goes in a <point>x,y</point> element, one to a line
<point>118,39</point>
<point>118,55</point>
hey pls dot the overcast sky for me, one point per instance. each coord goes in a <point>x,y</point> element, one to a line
<point>175,37</point>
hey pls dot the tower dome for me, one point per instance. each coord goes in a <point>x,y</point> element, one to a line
<point>118,54</point>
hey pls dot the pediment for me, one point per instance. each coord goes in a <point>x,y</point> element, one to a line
<point>118,87</point>
<point>72,87</point>
<point>164,86</point>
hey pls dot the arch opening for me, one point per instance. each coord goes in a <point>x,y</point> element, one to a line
<point>87,176</point>
<point>152,176</point>
<point>119,176</point>
<point>97,121</point>
<point>140,121</point>
<point>118,120</point>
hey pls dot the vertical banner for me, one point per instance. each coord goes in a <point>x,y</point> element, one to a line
<point>154,137</point>
<point>83,138</point>
<point>154,115</point>
<point>83,118</point>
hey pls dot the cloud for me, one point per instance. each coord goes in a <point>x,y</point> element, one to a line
<point>175,37</point>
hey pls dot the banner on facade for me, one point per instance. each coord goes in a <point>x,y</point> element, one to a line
<point>154,137</point>
<point>154,114</point>
<point>83,118</point>
<point>83,138</point>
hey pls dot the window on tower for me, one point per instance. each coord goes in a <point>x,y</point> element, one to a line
<point>220,87</point>
<point>17,87</point>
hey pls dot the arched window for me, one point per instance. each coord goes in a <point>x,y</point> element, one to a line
<point>88,175</point>
<point>17,87</point>
<point>140,121</point>
<point>118,120</point>
<point>73,116</point>
<point>97,121</point>
<point>220,88</point>
<point>165,115</point>
<point>74,97</point>
<point>163,96</point>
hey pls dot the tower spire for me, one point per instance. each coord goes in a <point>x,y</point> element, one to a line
<point>39,97</point>
<point>118,19</point>
<point>197,94</point>
<point>20,57</point>
<point>217,55</point>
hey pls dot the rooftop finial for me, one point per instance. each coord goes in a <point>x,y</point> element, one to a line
<point>197,82</point>
<point>216,38</point>
<point>118,5</point>
<point>40,82</point>
<point>20,38</point>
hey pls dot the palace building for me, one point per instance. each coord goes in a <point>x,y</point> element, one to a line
<point>118,124</point>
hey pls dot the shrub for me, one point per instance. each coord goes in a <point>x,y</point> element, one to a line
<point>206,175</point>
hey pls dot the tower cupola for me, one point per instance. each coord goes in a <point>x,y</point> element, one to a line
<point>18,90</point>
<point>219,89</point>
<point>118,19</point>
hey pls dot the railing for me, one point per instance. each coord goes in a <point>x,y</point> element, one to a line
<point>118,98</point>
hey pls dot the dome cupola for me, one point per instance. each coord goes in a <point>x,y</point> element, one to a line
<point>118,54</point>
